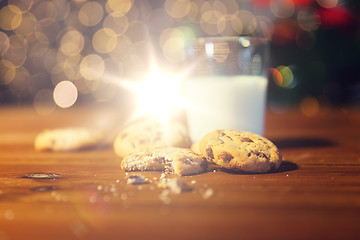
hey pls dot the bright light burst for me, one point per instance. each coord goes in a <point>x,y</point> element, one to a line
<point>158,94</point>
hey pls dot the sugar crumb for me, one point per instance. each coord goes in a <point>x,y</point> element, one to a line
<point>136,179</point>
<point>175,185</point>
<point>209,192</point>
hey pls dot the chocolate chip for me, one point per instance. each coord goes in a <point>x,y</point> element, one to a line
<point>219,141</point>
<point>246,140</point>
<point>262,155</point>
<point>229,137</point>
<point>160,160</point>
<point>225,156</point>
<point>220,133</point>
<point>210,153</point>
<point>186,161</point>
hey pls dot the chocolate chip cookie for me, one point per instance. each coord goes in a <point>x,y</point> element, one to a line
<point>239,150</point>
<point>180,161</point>
<point>150,132</point>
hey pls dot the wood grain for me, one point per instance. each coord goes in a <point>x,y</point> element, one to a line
<point>314,195</point>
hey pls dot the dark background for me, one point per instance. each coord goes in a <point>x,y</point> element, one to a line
<point>327,70</point>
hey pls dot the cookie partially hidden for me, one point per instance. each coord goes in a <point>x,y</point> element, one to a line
<point>239,150</point>
<point>180,161</point>
<point>67,139</point>
<point>150,132</point>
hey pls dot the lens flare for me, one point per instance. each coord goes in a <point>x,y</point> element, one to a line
<point>158,94</point>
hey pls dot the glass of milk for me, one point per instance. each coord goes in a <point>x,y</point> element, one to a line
<point>227,84</point>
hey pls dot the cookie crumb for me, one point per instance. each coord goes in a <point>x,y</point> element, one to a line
<point>208,193</point>
<point>124,196</point>
<point>136,179</point>
<point>92,199</point>
<point>164,196</point>
<point>175,185</point>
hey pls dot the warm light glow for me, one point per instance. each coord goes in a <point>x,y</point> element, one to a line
<point>159,94</point>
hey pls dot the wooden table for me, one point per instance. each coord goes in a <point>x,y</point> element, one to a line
<point>314,195</point>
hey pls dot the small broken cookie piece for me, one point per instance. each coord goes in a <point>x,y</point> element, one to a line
<point>240,150</point>
<point>136,179</point>
<point>180,161</point>
<point>150,132</point>
<point>67,139</point>
<point>175,185</point>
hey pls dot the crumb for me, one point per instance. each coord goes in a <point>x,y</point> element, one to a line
<point>208,193</point>
<point>164,196</point>
<point>117,181</point>
<point>124,196</point>
<point>175,185</point>
<point>136,179</point>
<point>92,199</point>
<point>193,181</point>
<point>113,189</point>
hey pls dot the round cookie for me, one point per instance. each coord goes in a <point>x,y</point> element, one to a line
<point>240,150</point>
<point>149,133</point>
<point>67,139</point>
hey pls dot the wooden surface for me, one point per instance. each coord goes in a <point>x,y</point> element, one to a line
<point>314,195</point>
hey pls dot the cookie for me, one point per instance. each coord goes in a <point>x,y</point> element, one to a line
<point>239,150</point>
<point>67,139</point>
<point>180,161</point>
<point>195,147</point>
<point>150,132</point>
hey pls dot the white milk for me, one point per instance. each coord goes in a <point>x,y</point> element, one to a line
<point>225,102</point>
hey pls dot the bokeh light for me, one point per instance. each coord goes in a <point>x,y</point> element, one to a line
<point>104,40</point>
<point>91,13</point>
<point>92,67</point>
<point>309,106</point>
<point>10,17</point>
<point>65,94</point>
<point>97,44</point>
